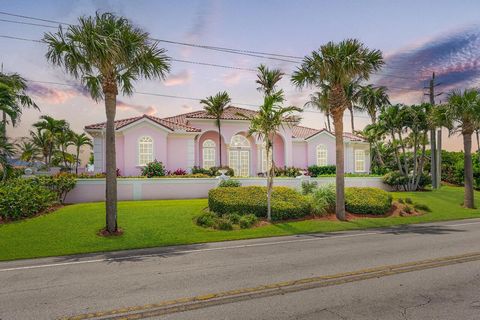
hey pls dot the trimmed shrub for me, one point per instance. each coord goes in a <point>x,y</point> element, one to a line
<point>61,184</point>
<point>285,171</point>
<point>234,218</point>
<point>206,219</point>
<point>21,198</point>
<point>367,200</point>
<point>248,221</point>
<point>286,202</point>
<point>397,180</point>
<point>153,169</point>
<point>223,224</point>
<point>323,200</point>
<point>308,187</point>
<point>316,171</point>
<point>229,184</point>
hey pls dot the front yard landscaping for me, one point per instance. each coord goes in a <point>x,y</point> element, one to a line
<point>73,229</point>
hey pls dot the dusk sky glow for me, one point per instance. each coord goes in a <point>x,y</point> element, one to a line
<point>417,38</point>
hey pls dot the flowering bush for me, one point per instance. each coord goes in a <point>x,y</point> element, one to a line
<point>153,169</point>
<point>179,172</point>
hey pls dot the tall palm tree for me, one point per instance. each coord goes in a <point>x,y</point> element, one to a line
<point>319,100</point>
<point>265,124</point>
<point>29,152</point>
<point>336,65</point>
<point>13,98</point>
<point>63,139</point>
<point>108,54</point>
<point>215,106</point>
<point>50,128</point>
<point>268,79</point>
<point>80,140</point>
<point>461,114</point>
<point>373,99</point>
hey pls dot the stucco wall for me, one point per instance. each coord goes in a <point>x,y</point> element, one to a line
<point>92,190</point>
<point>132,136</point>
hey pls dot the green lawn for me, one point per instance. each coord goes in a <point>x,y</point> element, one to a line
<point>73,228</point>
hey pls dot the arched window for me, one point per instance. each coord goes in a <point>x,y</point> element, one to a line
<point>145,150</point>
<point>239,156</point>
<point>322,155</point>
<point>208,154</point>
<point>360,160</point>
<point>239,141</point>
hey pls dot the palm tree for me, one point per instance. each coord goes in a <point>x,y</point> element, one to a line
<point>29,152</point>
<point>63,139</point>
<point>80,140</point>
<point>50,128</point>
<point>265,124</point>
<point>352,91</point>
<point>372,99</point>
<point>107,53</point>
<point>13,98</point>
<point>462,114</point>
<point>41,140</point>
<point>267,79</point>
<point>336,65</point>
<point>7,150</point>
<point>215,106</point>
<point>319,101</point>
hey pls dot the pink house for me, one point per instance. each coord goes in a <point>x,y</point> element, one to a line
<point>191,139</point>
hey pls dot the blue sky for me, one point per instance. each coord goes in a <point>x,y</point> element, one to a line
<point>416,37</point>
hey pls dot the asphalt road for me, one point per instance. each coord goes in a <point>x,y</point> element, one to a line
<point>428,271</point>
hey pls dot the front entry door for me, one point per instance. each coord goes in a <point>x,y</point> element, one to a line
<point>239,161</point>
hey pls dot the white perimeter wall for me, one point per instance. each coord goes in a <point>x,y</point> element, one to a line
<point>92,190</point>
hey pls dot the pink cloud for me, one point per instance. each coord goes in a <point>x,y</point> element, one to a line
<point>51,95</point>
<point>232,78</point>
<point>150,110</point>
<point>180,78</point>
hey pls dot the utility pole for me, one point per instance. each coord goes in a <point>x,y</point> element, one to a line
<point>435,151</point>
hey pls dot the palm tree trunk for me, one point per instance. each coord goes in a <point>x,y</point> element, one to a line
<point>328,122</point>
<point>352,120</point>
<point>76,160</point>
<point>477,133</point>
<point>111,166</point>
<point>340,165</point>
<point>219,142</point>
<point>467,147</point>
<point>269,184</point>
<point>4,125</point>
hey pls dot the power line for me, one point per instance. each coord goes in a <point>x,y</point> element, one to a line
<point>28,23</point>
<point>33,18</point>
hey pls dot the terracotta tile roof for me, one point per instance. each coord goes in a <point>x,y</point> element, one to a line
<point>163,122</point>
<point>230,113</point>
<point>305,133</point>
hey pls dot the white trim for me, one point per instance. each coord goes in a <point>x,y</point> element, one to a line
<point>138,150</point>
<point>142,121</point>
<point>321,132</point>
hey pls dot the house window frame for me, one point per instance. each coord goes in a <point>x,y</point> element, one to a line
<point>140,145</point>
<point>362,160</point>
<point>321,150</point>
<point>210,146</point>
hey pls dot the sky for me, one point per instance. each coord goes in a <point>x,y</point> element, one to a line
<point>416,37</point>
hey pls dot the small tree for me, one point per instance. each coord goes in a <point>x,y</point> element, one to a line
<point>265,124</point>
<point>78,141</point>
<point>215,106</point>
<point>29,152</point>
<point>462,114</point>
<point>108,54</point>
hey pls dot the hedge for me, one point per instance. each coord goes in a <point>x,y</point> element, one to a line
<point>21,198</point>
<point>365,200</point>
<point>315,171</point>
<point>286,202</point>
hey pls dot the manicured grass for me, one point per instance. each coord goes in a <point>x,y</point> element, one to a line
<point>73,228</point>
